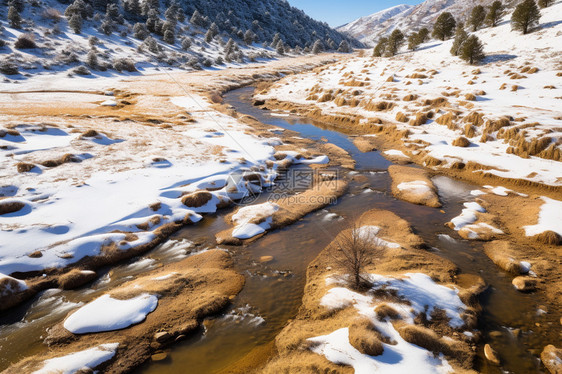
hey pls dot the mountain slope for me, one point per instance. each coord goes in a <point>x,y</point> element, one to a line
<point>412,19</point>
<point>362,27</point>
<point>152,33</point>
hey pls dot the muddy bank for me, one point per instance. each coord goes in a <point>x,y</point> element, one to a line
<point>399,252</point>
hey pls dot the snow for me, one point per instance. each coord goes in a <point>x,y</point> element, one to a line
<point>395,152</point>
<point>417,288</point>
<point>107,314</point>
<point>253,220</point>
<point>400,358</point>
<point>71,211</point>
<point>550,218</point>
<point>538,107</point>
<point>468,215</point>
<point>370,232</point>
<point>86,359</point>
<point>415,187</point>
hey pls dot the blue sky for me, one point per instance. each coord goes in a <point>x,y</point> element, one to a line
<point>338,12</point>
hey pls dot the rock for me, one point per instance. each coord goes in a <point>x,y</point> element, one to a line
<point>159,356</point>
<point>551,357</point>
<point>491,355</point>
<point>35,254</point>
<point>266,259</point>
<point>162,336</point>
<point>525,284</point>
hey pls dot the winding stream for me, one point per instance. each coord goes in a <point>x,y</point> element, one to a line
<point>273,291</point>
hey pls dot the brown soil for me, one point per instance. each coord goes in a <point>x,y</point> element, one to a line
<point>216,284</point>
<point>405,174</point>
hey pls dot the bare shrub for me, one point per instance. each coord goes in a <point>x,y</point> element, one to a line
<point>353,249</point>
<point>25,41</point>
<point>8,68</point>
<point>52,14</point>
<point>124,64</point>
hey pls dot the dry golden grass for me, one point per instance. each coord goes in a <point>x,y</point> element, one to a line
<point>401,117</point>
<point>410,97</point>
<point>75,278</point>
<point>549,237</point>
<point>421,118</point>
<point>196,199</point>
<point>24,167</point>
<point>461,142</point>
<point>470,97</point>
<point>385,311</point>
<point>362,337</point>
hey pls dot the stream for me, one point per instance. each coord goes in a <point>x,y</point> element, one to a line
<point>273,290</point>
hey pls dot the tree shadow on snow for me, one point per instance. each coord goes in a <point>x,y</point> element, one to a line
<point>498,58</point>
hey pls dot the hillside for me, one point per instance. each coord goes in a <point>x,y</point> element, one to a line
<point>362,28</point>
<point>369,29</point>
<point>126,36</point>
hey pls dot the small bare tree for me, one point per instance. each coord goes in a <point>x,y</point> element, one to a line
<point>353,249</point>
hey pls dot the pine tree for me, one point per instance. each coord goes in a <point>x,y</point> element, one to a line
<point>280,48</point>
<point>318,47</point>
<point>75,23</point>
<point>151,5</point>
<point>380,48</point>
<point>344,47</point>
<point>185,43</point>
<point>545,3</point>
<point>169,36</point>
<point>106,27</point>
<point>395,42</point>
<point>460,37</point>
<point>14,17</point>
<point>209,36</point>
<point>140,31</point>
<point>197,19</point>
<point>249,37</point>
<point>472,50</point>
<point>152,20</point>
<point>495,13</point>
<point>18,4</point>
<point>477,17</point>
<point>423,35</point>
<point>444,26</point>
<point>413,41</point>
<point>525,16</point>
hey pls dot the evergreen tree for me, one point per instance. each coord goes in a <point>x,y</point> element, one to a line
<point>380,48</point>
<point>472,50</point>
<point>395,41</point>
<point>423,35</point>
<point>477,17</point>
<point>495,13</point>
<point>197,19</point>
<point>209,36</point>
<point>229,48</point>
<point>75,23</point>
<point>344,47</point>
<point>18,4</point>
<point>169,36</point>
<point>413,41</point>
<point>249,37</point>
<point>545,3</point>
<point>14,17</point>
<point>151,5</point>
<point>140,31</point>
<point>275,40</point>
<point>280,48</point>
<point>92,59</point>
<point>152,20</point>
<point>460,37</point>
<point>525,16</point>
<point>444,26</point>
<point>185,43</point>
<point>318,47</point>
<point>214,29</point>
<point>106,27</point>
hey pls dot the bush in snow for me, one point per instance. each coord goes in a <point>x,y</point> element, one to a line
<point>8,68</point>
<point>106,27</point>
<point>81,70</point>
<point>318,47</point>
<point>343,48</point>
<point>2,43</point>
<point>52,14</point>
<point>525,16</point>
<point>495,13</point>
<point>185,43</point>
<point>169,37</point>
<point>249,37</point>
<point>444,26</point>
<point>18,4</point>
<point>219,61</point>
<point>151,44</point>
<point>25,41</point>
<point>93,41</point>
<point>472,50</point>
<point>14,17</point>
<point>92,59</point>
<point>477,17</point>
<point>124,64</point>
<point>280,47</point>
<point>75,23</point>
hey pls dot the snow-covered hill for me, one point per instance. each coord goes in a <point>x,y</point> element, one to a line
<point>368,29</point>
<point>140,34</point>
<point>362,28</point>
